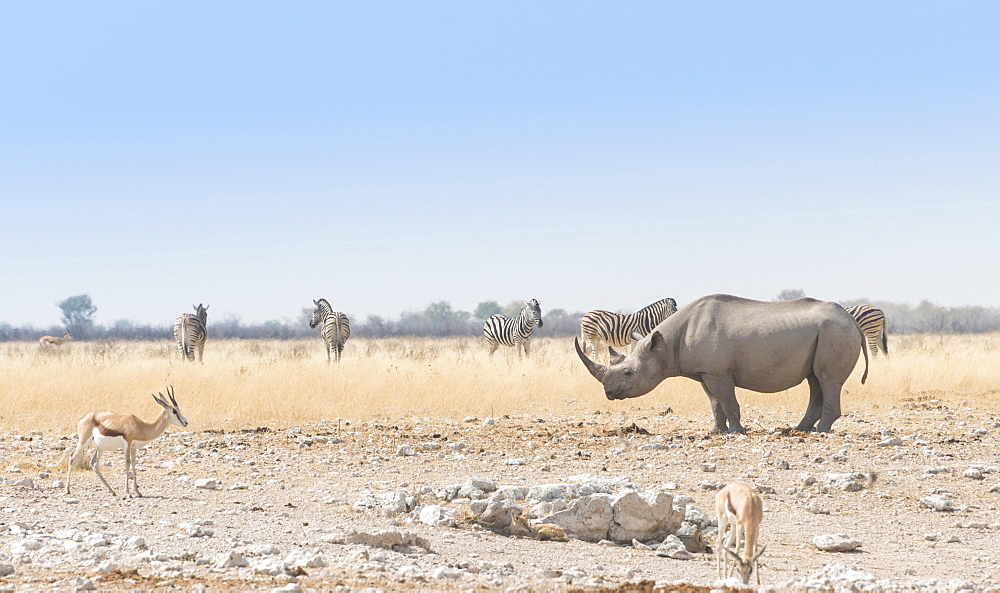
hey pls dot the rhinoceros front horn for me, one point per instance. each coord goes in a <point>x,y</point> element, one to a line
<point>597,370</point>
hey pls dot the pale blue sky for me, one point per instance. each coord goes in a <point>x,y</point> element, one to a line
<point>383,155</point>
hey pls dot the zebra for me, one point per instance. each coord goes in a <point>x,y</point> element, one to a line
<point>622,330</point>
<point>190,332</point>
<point>336,327</point>
<point>513,331</point>
<point>871,320</point>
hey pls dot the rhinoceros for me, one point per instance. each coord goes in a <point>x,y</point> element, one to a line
<point>724,342</point>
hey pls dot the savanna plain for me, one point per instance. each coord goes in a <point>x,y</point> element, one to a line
<point>295,474</point>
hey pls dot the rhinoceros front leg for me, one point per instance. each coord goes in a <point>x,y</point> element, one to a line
<point>815,408</point>
<point>722,395</point>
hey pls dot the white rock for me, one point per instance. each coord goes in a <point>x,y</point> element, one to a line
<point>270,565</point>
<point>444,572</point>
<point>301,558</point>
<point>837,542</point>
<point>82,584</point>
<point>707,467</point>
<point>207,483</point>
<point>6,570</point>
<point>515,461</point>
<point>973,474</point>
<point>289,588</point>
<point>406,451</point>
<point>489,422</point>
<point>230,559</point>
<point>890,442</point>
<point>136,542</point>
<point>238,486</point>
<point>673,547</point>
<point>263,549</point>
<point>587,518</point>
<point>436,516</point>
<point>24,483</point>
<point>107,566</point>
<point>936,502</point>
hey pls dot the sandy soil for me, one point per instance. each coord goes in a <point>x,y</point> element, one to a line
<point>285,490</point>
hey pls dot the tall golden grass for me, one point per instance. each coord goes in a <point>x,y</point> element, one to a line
<point>247,383</point>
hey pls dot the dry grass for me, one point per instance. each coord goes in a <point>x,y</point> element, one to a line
<point>245,384</point>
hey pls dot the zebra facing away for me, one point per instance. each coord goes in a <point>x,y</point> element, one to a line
<point>336,328</point>
<point>871,320</point>
<point>513,331</point>
<point>622,330</point>
<point>190,332</point>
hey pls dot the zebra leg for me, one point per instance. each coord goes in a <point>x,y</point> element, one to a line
<point>493,348</point>
<point>201,352</point>
<point>527,347</point>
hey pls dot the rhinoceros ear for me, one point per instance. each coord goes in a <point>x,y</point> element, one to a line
<point>653,342</point>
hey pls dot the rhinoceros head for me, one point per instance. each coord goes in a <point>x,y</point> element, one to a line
<point>633,375</point>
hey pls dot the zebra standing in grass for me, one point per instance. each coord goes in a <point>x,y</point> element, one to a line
<point>190,332</point>
<point>871,320</point>
<point>336,327</point>
<point>621,330</point>
<point>513,331</point>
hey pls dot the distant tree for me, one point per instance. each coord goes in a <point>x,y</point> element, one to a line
<point>487,309</point>
<point>790,294</point>
<point>78,312</point>
<point>514,307</point>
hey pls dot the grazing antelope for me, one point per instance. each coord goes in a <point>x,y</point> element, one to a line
<point>46,341</point>
<point>740,512</point>
<point>109,431</point>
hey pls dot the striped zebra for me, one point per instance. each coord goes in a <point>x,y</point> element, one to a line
<point>619,331</point>
<point>513,331</point>
<point>871,320</point>
<point>336,327</point>
<point>190,332</point>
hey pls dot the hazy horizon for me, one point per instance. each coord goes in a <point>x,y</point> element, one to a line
<point>254,157</point>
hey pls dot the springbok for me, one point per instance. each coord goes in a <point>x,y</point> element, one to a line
<point>46,341</point>
<point>740,512</point>
<point>109,431</point>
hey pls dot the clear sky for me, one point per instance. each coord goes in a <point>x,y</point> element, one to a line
<point>254,156</point>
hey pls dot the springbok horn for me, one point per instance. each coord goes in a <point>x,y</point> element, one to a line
<point>599,371</point>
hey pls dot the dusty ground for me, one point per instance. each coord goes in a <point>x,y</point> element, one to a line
<point>298,488</point>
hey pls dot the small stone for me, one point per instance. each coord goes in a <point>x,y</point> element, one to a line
<point>835,543</point>
<point>230,560</point>
<point>973,474</point>
<point>406,451</point>
<point>515,461</point>
<point>82,584</point>
<point>707,467</point>
<point>238,486</point>
<point>207,483</point>
<point>890,442</point>
<point>489,422</point>
<point>936,502</point>
<point>107,566</point>
<point>24,483</point>
<point>136,542</point>
<point>6,570</point>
